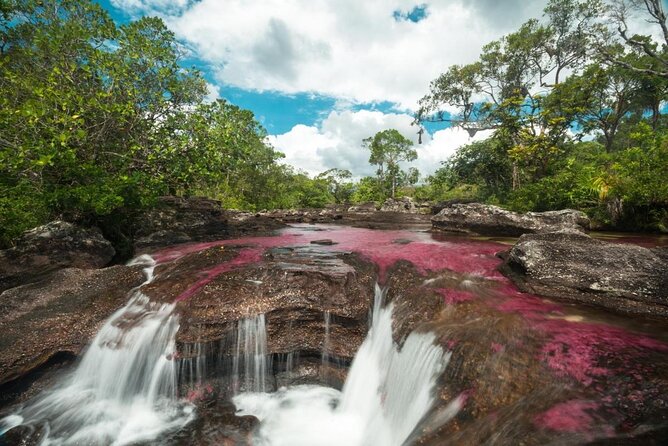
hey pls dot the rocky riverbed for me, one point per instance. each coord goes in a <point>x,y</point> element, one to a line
<point>537,364</point>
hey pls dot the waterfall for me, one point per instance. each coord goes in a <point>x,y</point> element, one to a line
<point>325,349</point>
<point>124,389</point>
<point>250,362</point>
<point>386,395</point>
<point>325,344</point>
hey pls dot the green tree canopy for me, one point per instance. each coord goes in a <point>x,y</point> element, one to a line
<point>388,148</point>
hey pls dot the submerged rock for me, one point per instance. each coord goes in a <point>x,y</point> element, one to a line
<point>50,247</point>
<point>483,219</point>
<point>577,268</point>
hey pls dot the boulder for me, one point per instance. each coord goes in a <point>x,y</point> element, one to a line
<point>405,205</point>
<point>483,219</point>
<point>178,220</point>
<point>54,319</point>
<point>575,267</point>
<point>50,247</point>
<point>367,207</point>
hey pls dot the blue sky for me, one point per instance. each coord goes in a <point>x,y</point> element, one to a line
<point>322,75</point>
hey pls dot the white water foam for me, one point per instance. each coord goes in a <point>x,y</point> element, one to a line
<point>386,395</point>
<point>124,389</point>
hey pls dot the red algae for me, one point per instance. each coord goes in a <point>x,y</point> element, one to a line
<point>379,246</point>
<point>245,257</point>
<point>455,296</point>
<point>527,305</point>
<point>581,351</point>
<point>575,349</point>
<point>570,416</point>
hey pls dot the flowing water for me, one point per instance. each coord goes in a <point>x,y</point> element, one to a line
<point>387,392</point>
<point>250,366</point>
<point>588,374</point>
<point>124,389</point>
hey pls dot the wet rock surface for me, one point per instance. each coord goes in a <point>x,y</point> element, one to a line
<point>575,267</point>
<point>292,286</point>
<point>483,219</point>
<point>50,247</point>
<point>48,323</point>
<point>526,371</point>
<point>362,216</point>
<point>216,425</point>
<point>523,369</point>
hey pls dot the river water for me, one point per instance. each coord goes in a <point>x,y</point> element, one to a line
<point>125,388</point>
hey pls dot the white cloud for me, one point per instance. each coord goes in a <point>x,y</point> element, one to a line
<point>212,92</point>
<point>337,142</point>
<point>349,49</point>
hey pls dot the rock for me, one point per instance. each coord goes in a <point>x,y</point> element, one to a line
<point>403,204</point>
<point>23,436</point>
<point>178,220</point>
<point>439,206</point>
<point>293,287</point>
<point>483,219</point>
<point>55,318</point>
<point>217,425</point>
<point>575,267</point>
<point>324,242</point>
<point>367,207</point>
<point>50,247</point>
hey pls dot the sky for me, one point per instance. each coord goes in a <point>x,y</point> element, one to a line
<point>321,75</point>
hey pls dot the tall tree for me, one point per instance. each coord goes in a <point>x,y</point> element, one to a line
<point>388,148</point>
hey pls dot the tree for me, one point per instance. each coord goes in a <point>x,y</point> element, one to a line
<point>619,12</point>
<point>601,99</point>
<point>388,148</point>
<point>339,183</point>
<point>97,119</point>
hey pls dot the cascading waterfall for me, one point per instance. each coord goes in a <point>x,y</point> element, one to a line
<point>124,389</point>
<point>251,361</point>
<point>387,393</point>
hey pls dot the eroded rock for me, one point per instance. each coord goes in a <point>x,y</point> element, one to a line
<point>405,205</point>
<point>293,287</point>
<point>482,219</point>
<point>575,267</point>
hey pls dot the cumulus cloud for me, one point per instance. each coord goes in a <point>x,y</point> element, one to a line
<point>337,142</point>
<point>349,49</point>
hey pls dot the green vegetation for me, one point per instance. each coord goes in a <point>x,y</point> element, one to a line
<point>593,140</point>
<point>97,120</point>
<point>388,148</point>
